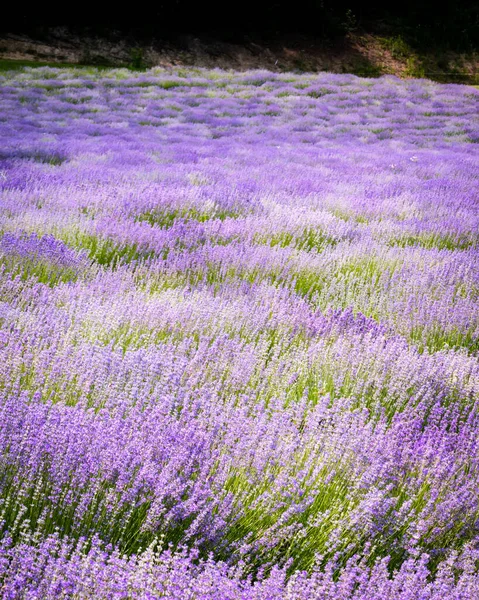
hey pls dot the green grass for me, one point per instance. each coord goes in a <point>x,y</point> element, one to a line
<point>106,251</point>
<point>45,157</point>
<point>128,336</point>
<point>165,219</point>
<point>309,239</point>
<point>434,338</point>
<point>437,240</point>
<point>16,65</point>
<point>41,271</point>
<point>106,516</point>
<point>262,509</point>
<point>7,64</point>
<point>347,216</point>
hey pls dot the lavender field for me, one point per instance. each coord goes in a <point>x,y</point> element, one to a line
<point>239,336</point>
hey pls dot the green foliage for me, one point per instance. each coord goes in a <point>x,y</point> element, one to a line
<point>437,240</point>
<point>165,219</point>
<point>307,240</point>
<point>49,158</point>
<point>137,59</point>
<point>40,270</point>
<point>18,65</point>
<point>109,253</point>
<point>363,68</point>
<point>350,22</point>
<point>396,45</point>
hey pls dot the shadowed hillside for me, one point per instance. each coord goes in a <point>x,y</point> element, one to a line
<point>408,39</point>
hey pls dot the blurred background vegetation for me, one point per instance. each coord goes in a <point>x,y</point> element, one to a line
<point>411,38</point>
<point>451,25</point>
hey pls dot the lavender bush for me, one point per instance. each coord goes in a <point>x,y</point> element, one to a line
<point>239,336</point>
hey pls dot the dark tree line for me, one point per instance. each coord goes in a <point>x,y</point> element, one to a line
<point>454,24</point>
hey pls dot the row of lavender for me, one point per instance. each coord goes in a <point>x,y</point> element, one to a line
<point>239,336</point>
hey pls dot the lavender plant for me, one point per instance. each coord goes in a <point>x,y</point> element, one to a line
<point>239,336</point>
